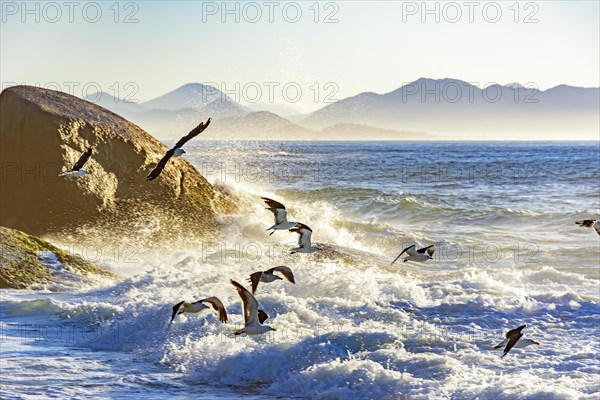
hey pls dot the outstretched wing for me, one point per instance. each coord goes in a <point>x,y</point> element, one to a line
<point>218,307</point>
<point>403,251</point>
<point>513,337</point>
<point>160,166</point>
<point>277,209</point>
<point>305,234</point>
<point>285,271</point>
<point>82,160</point>
<point>254,279</point>
<point>176,308</point>
<point>273,205</point>
<point>193,133</point>
<point>586,223</point>
<point>429,249</point>
<point>500,345</point>
<point>250,304</point>
<point>262,316</point>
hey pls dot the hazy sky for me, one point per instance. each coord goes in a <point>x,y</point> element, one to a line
<point>373,46</point>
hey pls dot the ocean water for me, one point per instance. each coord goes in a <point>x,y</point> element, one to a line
<point>353,326</point>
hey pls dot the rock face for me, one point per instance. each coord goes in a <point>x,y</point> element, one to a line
<point>43,132</point>
<point>22,259</point>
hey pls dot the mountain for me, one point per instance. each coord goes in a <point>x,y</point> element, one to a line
<point>455,107</point>
<point>197,96</point>
<point>261,125</point>
<point>448,108</point>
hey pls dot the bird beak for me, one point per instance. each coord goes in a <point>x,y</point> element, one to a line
<point>183,151</point>
<point>535,343</point>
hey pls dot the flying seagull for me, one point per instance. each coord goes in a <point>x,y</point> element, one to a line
<point>512,340</point>
<point>183,307</point>
<point>252,318</point>
<point>77,169</point>
<point>590,223</point>
<point>270,276</point>
<point>280,214</point>
<point>176,151</point>
<point>304,240</point>
<point>420,255</point>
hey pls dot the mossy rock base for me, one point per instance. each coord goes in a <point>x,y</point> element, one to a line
<point>21,264</point>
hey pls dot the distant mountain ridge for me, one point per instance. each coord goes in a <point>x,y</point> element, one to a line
<point>451,106</point>
<point>447,107</point>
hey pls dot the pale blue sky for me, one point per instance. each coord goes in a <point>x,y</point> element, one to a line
<point>370,48</point>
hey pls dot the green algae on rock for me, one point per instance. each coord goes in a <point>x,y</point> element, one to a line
<point>21,265</point>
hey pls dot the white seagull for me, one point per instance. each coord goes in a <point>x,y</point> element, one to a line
<point>176,151</point>
<point>420,255</point>
<point>183,307</point>
<point>253,319</point>
<point>590,223</point>
<point>77,169</point>
<point>278,210</point>
<point>512,340</point>
<point>270,276</point>
<point>304,240</point>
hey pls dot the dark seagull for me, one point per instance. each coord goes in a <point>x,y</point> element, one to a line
<point>270,276</point>
<point>278,210</point>
<point>215,303</point>
<point>420,255</point>
<point>253,317</point>
<point>590,223</point>
<point>304,244</point>
<point>77,169</point>
<point>513,339</point>
<point>176,151</point>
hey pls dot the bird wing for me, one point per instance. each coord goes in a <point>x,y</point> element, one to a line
<point>500,345</point>
<point>273,204</point>
<point>305,234</point>
<point>176,308</point>
<point>514,332</point>
<point>218,307</point>
<point>280,216</point>
<point>277,209</point>
<point>160,166</point>
<point>254,279</point>
<point>586,223</point>
<point>513,337</point>
<point>82,160</point>
<point>193,133</point>
<point>511,342</point>
<point>262,316</point>
<point>250,304</point>
<point>596,227</point>
<point>407,250</point>
<point>285,271</point>
<point>428,249</point>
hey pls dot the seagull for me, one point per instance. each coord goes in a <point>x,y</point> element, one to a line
<point>420,255</point>
<point>176,151</point>
<point>270,276</point>
<point>77,169</point>
<point>253,319</point>
<point>590,223</point>
<point>512,340</point>
<point>280,214</point>
<point>304,240</point>
<point>183,307</point>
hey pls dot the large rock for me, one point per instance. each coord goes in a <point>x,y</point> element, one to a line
<point>43,132</point>
<point>29,262</point>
